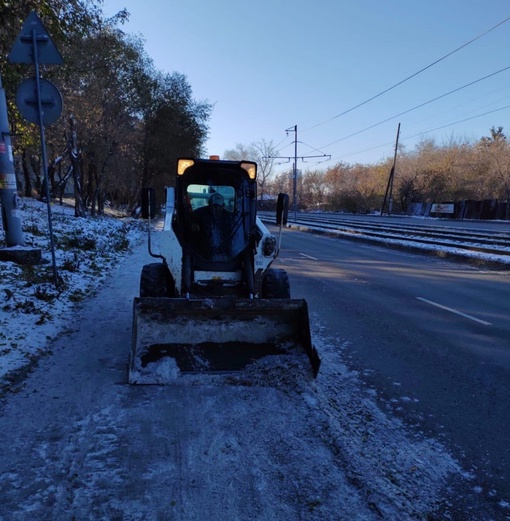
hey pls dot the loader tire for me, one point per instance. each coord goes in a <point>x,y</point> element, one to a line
<point>156,281</point>
<point>275,284</point>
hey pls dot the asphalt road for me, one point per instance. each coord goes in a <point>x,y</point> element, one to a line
<point>431,337</point>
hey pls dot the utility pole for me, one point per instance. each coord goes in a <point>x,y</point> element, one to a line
<point>389,187</point>
<point>294,175</point>
<point>8,190</point>
<point>294,166</point>
<point>16,250</point>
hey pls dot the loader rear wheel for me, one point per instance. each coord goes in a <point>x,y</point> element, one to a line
<point>275,284</point>
<point>156,281</point>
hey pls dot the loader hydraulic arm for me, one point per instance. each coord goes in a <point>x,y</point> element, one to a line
<point>149,212</point>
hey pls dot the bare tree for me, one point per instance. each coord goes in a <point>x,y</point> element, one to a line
<point>313,189</point>
<point>496,151</point>
<point>263,153</point>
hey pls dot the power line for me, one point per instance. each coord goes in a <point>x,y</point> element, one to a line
<point>276,146</point>
<point>423,132</point>
<point>457,122</point>
<point>409,77</point>
<point>313,148</point>
<point>366,150</point>
<point>417,106</point>
<point>295,169</point>
<point>471,100</point>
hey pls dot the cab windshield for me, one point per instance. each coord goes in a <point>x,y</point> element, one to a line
<point>217,231</point>
<point>198,195</point>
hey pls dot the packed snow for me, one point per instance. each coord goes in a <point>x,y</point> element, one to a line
<point>268,443</point>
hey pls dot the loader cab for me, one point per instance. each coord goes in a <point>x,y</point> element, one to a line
<point>215,215</point>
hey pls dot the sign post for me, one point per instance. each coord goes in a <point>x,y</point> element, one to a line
<point>38,100</point>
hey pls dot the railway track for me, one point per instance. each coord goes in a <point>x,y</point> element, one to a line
<point>457,241</point>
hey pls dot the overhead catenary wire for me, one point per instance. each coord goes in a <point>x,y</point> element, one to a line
<point>404,138</point>
<point>467,102</point>
<point>417,106</point>
<point>423,132</point>
<point>409,77</point>
<point>313,148</point>
<point>420,105</point>
<point>457,122</point>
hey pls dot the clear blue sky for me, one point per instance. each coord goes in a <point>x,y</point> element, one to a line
<point>268,65</point>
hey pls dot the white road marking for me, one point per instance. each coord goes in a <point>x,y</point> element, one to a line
<point>454,311</point>
<point>308,256</point>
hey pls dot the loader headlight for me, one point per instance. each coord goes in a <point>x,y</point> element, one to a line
<point>183,165</point>
<point>251,168</point>
<point>268,246</point>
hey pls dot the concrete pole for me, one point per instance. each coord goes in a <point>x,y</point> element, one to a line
<point>390,210</point>
<point>11,218</point>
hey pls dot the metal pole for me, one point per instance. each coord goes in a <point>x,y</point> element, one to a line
<point>43,153</point>
<point>11,219</point>
<point>294,194</point>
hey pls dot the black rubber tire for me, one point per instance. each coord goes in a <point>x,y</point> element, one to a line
<point>275,284</point>
<point>156,281</point>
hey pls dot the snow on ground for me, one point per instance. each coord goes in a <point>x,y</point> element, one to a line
<point>326,450</point>
<point>33,308</point>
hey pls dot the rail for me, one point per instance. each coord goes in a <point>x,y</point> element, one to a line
<point>440,238</point>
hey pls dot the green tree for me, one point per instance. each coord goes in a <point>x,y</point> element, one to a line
<point>130,121</point>
<point>63,19</point>
<point>175,125</point>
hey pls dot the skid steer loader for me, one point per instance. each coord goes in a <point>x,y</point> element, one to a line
<point>213,303</point>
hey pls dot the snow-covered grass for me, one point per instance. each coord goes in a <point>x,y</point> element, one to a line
<point>33,309</point>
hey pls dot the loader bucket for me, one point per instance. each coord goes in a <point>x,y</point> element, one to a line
<point>174,336</point>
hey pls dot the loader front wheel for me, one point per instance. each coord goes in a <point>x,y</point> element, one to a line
<point>156,281</point>
<point>275,284</point>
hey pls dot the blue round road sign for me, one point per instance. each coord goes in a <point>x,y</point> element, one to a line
<point>51,101</point>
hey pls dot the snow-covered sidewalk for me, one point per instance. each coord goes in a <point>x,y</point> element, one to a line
<point>270,443</point>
